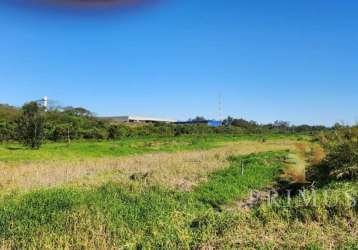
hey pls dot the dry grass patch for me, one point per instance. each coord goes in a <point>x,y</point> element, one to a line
<point>250,233</point>
<point>179,170</point>
<point>304,154</point>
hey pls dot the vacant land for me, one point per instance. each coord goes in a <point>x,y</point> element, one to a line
<point>167,193</point>
<point>178,163</point>
<point>14,153</point>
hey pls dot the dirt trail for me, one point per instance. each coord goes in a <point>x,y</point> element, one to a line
<point>294,173</point>
<point>296,168</point>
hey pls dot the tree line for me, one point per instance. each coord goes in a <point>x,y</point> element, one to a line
<point>31,125</point>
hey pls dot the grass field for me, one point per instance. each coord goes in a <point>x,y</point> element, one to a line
<point>10,153</point>
<point>161,193</point>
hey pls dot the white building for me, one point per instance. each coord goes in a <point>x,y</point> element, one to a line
<point>140,119</point>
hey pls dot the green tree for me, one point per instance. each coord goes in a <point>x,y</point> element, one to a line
<point>30,125</point>
<point>228,121</point>
<point>199,119</point>
<point>6,130</point>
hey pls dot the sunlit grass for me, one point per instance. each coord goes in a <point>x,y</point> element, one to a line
<point>12,153</point>
<point>180,170</point>
<point>246,173</point>
<point>132,213</point>
<point>94,149</point>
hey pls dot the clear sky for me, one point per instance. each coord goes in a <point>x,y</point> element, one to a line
<point>270,60</point>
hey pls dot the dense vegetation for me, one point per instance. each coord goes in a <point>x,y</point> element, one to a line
<point>341,161</point>
<point>78,123</point>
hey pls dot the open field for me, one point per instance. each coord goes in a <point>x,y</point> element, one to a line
<point>187,165</point>
<point>170,194</point>
<point>13,153</point>
<point>189,125</point>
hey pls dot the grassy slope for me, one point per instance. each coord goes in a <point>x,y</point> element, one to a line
<point>133,215</point>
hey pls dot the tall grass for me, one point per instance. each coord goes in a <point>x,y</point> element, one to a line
<point>133,215</point>
<point>246,173</point>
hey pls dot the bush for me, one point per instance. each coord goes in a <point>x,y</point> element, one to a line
<point>94,133</point>
<point>341,161</point>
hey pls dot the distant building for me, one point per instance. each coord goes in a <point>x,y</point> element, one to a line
<point>143,119</point>
<point>215,123</point>
<point>140,119</point>
<point>211,123</point>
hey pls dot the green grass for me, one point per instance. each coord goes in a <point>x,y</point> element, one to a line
<point>326,203</point>
<point>134,215</point>
<point>12,153</point>
<point>93,149</point>
<point>246,173</point>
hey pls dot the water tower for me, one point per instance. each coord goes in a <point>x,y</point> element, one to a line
<point>44,101</point>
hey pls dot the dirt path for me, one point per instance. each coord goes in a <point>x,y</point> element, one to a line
<point>295,173</point>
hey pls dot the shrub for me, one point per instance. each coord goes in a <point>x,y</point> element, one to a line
<point>341,161</point>
<point>94,133</point>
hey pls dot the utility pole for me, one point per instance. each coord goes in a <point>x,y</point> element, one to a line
<point>220,107</point>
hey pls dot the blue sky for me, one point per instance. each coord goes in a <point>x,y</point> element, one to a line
<point>270,60</point>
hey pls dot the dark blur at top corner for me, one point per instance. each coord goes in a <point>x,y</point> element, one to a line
<point>84,8</point>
